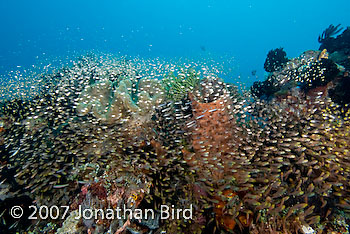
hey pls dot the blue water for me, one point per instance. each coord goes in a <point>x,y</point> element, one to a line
<point>243,31</point>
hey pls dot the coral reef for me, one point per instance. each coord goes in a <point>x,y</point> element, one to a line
<point>107,135</point>
<point>338,47</point>
<point>275,60</point>
<point>310,70</point>
<point>70,225</point>
<point>170,122</point>
<point>117,191</point>
<point>216,136</point>
<point>279,172</point>
<point>110,103</point>
<point>331,43</point>
<point>304,151</point>
<point>177,87</point>
<point>211,137</point>
<point>329,33</point>
<point>340,92</point>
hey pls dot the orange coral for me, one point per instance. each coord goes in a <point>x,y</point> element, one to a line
<point>246,218</point>
<point>212,138</point>
<point>215,140</point>
<point>226,221</point>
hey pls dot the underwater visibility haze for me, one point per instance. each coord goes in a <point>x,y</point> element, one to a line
<point>142,117</point>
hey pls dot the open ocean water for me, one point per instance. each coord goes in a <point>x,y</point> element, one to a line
<point>142,117</point>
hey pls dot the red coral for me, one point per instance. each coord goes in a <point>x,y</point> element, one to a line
<point>80,198</point>
<point>98,190</point>
<point>84,189</point>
